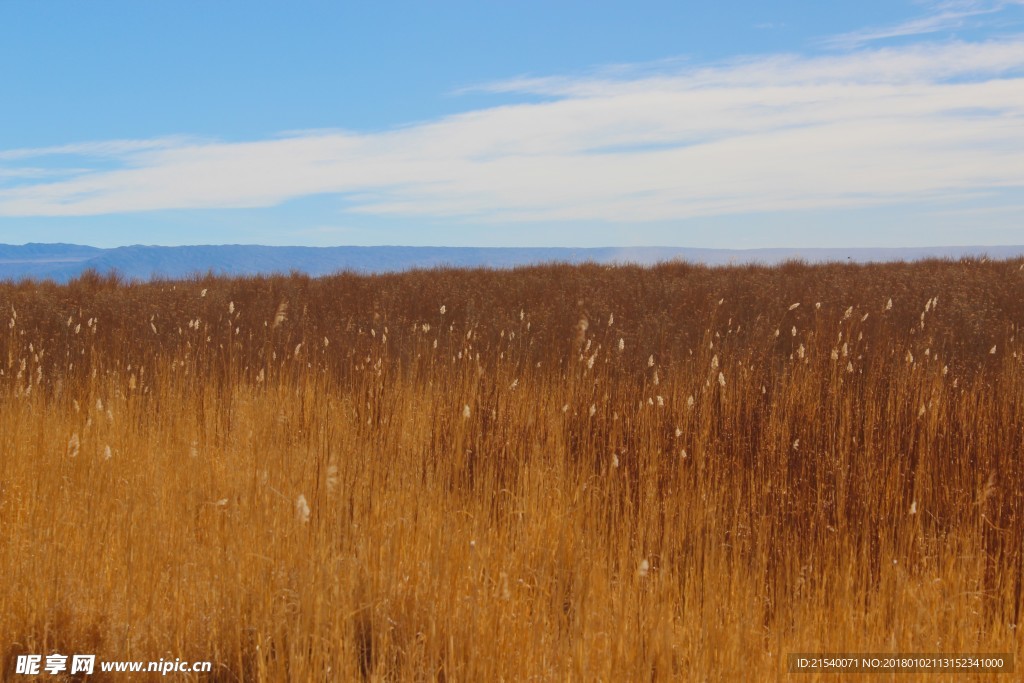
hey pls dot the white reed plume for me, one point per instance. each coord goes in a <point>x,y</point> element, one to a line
<point>714,362</point>
<point>465,411</point>
<point>443,309</point>
<point>106,453</point>
<point>231,307</point>
<point>913,507</point>
<point>992,350</point>
<point>644,567</point>
<point>282,313</point>
<point>611,319</point>
<point>73,445</point>
<point>202,294</point>
<point>721,379</point>
<point>593,409</point>
<point>794,306</point>
<point>302,509</point>
<point>622,344</point>
<point>581,330</point>
<point>650,361</point>
<point>332,477</point>
<point>689,401</point>
<point>888,305</point>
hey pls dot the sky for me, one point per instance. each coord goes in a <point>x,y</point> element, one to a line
<point>733,124</point>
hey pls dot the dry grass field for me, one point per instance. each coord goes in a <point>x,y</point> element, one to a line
<point>551,473</point>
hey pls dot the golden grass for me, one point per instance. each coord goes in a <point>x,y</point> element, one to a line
<point>553,473</point>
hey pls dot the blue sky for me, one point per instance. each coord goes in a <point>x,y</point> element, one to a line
<point>733,124</point>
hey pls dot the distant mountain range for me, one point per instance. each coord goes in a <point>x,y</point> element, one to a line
<point>62,262</point>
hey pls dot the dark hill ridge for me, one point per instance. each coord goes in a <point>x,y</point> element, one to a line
<point>62,262</point>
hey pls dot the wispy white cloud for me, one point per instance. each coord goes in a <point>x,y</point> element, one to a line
<point>96,150</point>
<point>949,15</point>
<point>784,132</point>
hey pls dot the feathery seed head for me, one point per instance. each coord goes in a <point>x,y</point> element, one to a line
<point>302,511</point>
<point>282,313</point>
